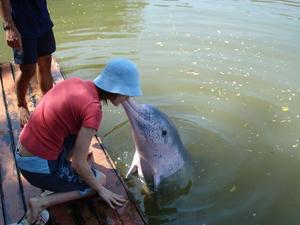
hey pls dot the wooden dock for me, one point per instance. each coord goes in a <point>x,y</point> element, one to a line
<point>15,190</point>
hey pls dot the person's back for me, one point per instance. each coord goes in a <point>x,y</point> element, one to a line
<point>62,112</point>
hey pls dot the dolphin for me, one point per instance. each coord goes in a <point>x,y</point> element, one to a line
<point>160,157</point>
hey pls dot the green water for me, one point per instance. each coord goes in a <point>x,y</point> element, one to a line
<point>226,72</point>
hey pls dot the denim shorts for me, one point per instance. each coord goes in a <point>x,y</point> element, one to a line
<point>53,175</point>
<point>34,48</point>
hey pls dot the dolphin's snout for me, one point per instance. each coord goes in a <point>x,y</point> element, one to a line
<point>132,108</point>
<point>127,104</point>
<point>133,112</point>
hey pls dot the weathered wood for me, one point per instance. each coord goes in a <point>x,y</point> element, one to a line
<point>12,111</point>
<point>60,215</point>
<point>57,75</point>
<point>82,212</point>
<point>2,222</point>
<point>4,140</point>
<point>103,212</point>
<point>129,213</point>
<point>13,200</point>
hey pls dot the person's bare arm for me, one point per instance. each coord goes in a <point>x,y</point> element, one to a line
<point>5,12</point>
<point>13,37</point>
<point>82,167</point>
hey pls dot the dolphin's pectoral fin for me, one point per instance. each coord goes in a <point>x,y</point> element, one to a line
<point>148,173</point>
<point>133,170</point>
<point>135,165</point>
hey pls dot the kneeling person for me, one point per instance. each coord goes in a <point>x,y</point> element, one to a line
<point>54,145</point>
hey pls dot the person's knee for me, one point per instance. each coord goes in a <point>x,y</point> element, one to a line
<point>44,73</point>
<point>44,64</point>
<point>27,72</point>
<point>101,177</point>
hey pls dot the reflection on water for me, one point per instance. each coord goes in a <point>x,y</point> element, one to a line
<point>94,31</point>
<point>226,72</point>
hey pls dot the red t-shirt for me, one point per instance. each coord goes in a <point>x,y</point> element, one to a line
<point>66,108</point>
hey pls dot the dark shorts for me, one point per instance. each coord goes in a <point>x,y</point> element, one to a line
<point>34,48</point>
<point>53,175</point>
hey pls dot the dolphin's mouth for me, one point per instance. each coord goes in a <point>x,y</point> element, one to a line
<point>133,111</point>
<point>131,106</point>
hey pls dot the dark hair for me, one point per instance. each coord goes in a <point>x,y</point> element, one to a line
<point>104,95</point>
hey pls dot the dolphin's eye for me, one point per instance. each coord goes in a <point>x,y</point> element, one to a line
<point>164,132</point>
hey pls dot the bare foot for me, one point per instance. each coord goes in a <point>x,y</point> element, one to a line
<point>35,207</point>
<point>23,115</point>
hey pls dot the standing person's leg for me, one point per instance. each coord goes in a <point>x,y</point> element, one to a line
<point>23,78</point>
<point>45,47</point>
<point>35,52</point>
<point>44,76</point>
<point>26,60</point>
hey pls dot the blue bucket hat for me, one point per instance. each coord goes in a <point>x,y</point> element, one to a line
<point>120,76</point>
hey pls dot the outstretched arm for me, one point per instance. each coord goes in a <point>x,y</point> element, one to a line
<point>82,167</point>
<point>13,37</point>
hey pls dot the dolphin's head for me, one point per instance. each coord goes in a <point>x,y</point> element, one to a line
<point>163,157</point>
<point>153,132</point>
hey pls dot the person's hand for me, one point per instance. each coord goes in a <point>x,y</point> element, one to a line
<point>111,198</point>
<point>13,38</point>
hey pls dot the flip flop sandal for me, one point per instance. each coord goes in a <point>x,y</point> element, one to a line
<point>42,219</point>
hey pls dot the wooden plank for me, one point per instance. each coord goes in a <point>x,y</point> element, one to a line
<point>2,221</point>
<point>99,208</point>
<point>60,215</point>
<point>12,109</point>
<point>104,214</point>
<point>3,144</point>
<point>98,212</point>
<point>57,75</point>
<point>130,212</point>
<point>12,199</point>
<point>4,138</point>
<point>83,213</point>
